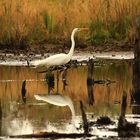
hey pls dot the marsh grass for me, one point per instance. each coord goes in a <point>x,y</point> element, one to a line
<point>49,22</point>
<point>28,22</point>
<point>98,34</point>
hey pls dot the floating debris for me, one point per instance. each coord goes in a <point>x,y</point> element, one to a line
<point>104,120</point>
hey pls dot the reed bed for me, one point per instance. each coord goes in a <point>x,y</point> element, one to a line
<point>27,22</point>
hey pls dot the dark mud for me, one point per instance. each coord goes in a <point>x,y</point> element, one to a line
<point>64,47</point>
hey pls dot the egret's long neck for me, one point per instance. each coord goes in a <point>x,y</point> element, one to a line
<point>71,106</point>
<point>72,45</point>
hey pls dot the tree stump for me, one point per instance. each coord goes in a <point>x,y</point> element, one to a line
<point>84,118</point>
<point>90,81</point>
<point>23,91</point>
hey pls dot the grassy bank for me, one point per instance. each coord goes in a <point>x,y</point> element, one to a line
<point>27,22</point>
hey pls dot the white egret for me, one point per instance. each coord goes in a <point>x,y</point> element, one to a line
<point>58,100</point>
<point>58,59</point>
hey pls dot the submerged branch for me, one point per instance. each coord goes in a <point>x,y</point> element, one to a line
<point>84,118</point>
<point>125,128</point>
<point>52,135</point>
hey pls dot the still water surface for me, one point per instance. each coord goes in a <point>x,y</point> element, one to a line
<point>35,116</point>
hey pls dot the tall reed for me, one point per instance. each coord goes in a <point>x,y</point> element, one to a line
<point>27,22</point>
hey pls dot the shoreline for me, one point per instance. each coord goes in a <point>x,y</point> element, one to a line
<point>10,59</point>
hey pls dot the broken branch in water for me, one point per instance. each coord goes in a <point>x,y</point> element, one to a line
<point>90,81</point>
<point>84,118</point>
<point>126,128</point>
<point>52,135</point>
<point>23,91</point>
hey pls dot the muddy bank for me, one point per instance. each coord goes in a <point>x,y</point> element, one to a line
<point>12,56</point>
<point>65,46</point>
<point>21,59</point>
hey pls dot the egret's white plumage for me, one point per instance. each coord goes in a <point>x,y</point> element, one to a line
<point>58,59</point>
<point>58,100</point>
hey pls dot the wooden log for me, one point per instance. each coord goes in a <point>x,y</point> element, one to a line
<point>124,104</point>
<point>90,70</point>
<point>122,121</point>
<point>52,135</point>
<point>126,128</point>
<point>90,81</point>
<point>84,118</point>
<point>23,91</point>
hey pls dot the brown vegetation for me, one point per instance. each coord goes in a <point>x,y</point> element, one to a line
<point>27,22</point>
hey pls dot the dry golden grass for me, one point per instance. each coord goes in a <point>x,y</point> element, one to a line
<point>36,21</point>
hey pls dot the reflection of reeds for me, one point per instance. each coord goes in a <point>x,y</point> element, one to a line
<point>26,22</point>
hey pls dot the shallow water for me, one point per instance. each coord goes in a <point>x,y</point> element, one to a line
<point>35,116</point>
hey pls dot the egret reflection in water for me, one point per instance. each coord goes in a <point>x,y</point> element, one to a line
<point>28,118</point>
<point>58,100</point>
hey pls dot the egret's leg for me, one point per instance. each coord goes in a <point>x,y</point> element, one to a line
<point>50,81</point>
<point>57,78</point>
<point>64,76</point>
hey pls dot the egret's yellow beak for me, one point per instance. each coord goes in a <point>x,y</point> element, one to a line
<point>84,29</point>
